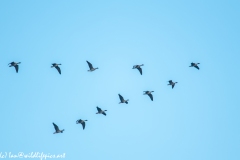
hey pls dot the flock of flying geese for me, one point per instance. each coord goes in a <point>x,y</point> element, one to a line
<point>100,111</point>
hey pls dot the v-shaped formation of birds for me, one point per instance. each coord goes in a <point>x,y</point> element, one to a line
<point>99,110</point>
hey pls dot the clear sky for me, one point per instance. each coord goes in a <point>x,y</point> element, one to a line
<point>197,120</point>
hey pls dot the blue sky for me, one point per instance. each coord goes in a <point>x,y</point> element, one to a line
<point>198,119</point>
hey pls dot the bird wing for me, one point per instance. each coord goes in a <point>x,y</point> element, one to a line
<point>104,113</point>
<point>99,109</point>
<point>151,97</point>
<point>140,70</point>
<point>56,127</point>
<point>196,67</point>
<point>58,68</point>
<point>121,98</point>
<point>16,67</point>
<point>83,124</point>
<point>173,86</point>
<point>90,65</point>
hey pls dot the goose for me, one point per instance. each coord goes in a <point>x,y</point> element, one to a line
<point>57,129</point>
<point>149,93</point>
<point>14,64</point>
<point>172,83</point>
<point>100,111</point>
<point>91,67</point>
<point>82,122</point>
<point>195,65</point>
<point>57,67</point>
<point>138,67</point>
<point>122,99</point>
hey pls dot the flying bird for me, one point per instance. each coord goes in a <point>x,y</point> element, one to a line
<point>172,83</point>
<point>91,67</point>
<point>149,93</point>
<point>138,67</point>
<point>100,111</point>
<point>57,129</point>
<point>195,65</point>
<point>57,67</point>
<point>82,122</point>
<point>14,64</point>
<point>122,99</point>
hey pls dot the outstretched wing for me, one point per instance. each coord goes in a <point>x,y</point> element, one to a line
<point>58,68</point>
<point>173,85</point>
<point>121,98</point>
<point>140,70</point>
<point>196,67</point>
<point>56,127</point>
<point>83,125</point>
<point>99,109</point>
<point>104,113</point>
<point>90,65</point>
<point>16,67</point>
<point>151,97</point>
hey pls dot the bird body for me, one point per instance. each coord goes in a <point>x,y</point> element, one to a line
<point>91,68</point>
<point>195,65</point>
<point>138,67</point>
<point>15,65</point>
<point>149,93</point>
<point>100,111</point>
<point>122,99</point>
<point>57,67</point>
<point>81,122</point>
<point>57,130</point>
<point>172,83</point>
